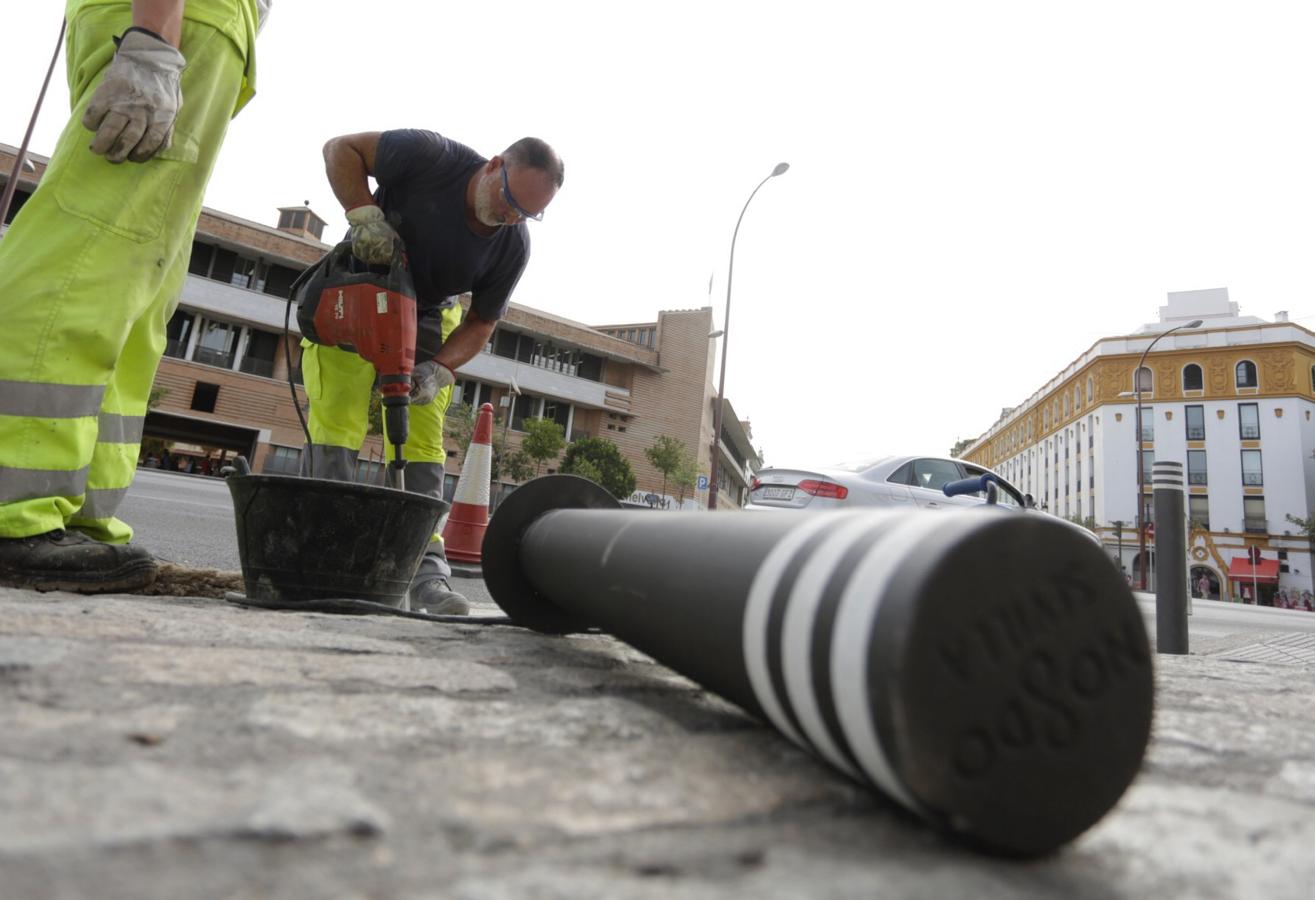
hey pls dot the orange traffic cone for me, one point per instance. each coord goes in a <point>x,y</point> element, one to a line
<point>463,535</point>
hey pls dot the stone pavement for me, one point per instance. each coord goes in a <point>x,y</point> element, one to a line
<point>180,747</point>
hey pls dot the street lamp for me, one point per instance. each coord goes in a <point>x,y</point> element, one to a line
<point>1141,476</point>
<point>725,341</point>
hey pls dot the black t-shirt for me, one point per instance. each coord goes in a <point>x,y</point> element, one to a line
<point>422,178</point>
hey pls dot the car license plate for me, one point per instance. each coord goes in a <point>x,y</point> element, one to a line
<point>778,493</point>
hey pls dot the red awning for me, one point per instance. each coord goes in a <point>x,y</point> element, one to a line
<point>1240,569</point>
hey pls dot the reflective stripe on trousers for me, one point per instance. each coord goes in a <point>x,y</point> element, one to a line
<point>90,273</point>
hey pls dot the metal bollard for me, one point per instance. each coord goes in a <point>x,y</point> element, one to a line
<point>1170,558</point>
<point>987,669</point>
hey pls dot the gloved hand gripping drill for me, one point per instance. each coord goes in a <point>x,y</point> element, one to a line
<point>373,240</point>
<point>376,242</point>
<point>370,313</point>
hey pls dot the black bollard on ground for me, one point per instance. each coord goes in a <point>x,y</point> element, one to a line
<point>1170,558</point>
<point>987,669</point>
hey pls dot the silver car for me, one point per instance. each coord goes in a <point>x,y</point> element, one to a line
<point>894,481</point>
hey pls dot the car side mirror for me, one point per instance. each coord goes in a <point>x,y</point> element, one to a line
<point>1029,502</point>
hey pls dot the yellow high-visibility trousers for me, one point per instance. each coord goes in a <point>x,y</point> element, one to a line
<point>90,273</point>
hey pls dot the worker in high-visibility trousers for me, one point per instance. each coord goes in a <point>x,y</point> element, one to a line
<point>339,384</point>
<point>461,219</point>
<point>91,270</point>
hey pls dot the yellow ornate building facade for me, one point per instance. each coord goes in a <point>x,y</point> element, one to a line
<point>1229,396</point>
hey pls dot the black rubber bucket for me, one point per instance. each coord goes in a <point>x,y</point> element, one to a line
<point>307,539</point>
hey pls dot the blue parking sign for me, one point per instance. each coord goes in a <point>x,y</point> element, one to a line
<point>703,482</point>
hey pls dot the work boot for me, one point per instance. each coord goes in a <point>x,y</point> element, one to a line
<point>71,561</point>
<point>437,598</point>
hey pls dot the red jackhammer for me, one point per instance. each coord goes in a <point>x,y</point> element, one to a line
<point>370,313</point>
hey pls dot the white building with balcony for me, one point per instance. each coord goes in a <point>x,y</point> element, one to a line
<point>1232,399</point>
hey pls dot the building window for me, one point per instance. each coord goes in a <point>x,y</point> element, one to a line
<point>1147,464</point>
<point>558,411</point>
<point>1251,470</point>
<point>527,407</point>
<point>1253,515</point>
<point>199,263</point>
<point>1248,421</point>
<point>1195,423</point>
<point>246,274</point>
<point>1091,389</point>
<point>259,356</point>
<point>1147,424</point>
<point>1246,374</point>
<point>204,396</point>
<point>292,218</point>
<point>178,333</point>
<point>369,472</point>
<point>1198,511</point>
<point>283,460</point>
<point>217,344</point>
<point>1144,381</point>
<point>1196,467</point>
<point>1193,380</point>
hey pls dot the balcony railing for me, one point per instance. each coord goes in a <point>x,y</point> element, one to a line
<point>253,366</point>
<point>176,349</point>
<point>1196,478</point>
<point>1253,478</point>
<point>1196,432</point>
<point>1254,525</point>
<point>1250,432</point>
<point>213,357</point>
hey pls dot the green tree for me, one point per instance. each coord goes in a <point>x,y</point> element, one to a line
<point>665,454</point>
<point>599,460</point>
<point>961,445</point>
<point>459,425</point>
<point>543,440</point>
<point>1087,522</point>
<point>1307,525</point>
<point>519,466</point>
<point>684,478</point>
<point>375,416</point>
<point>157,394</point>
<point>586,469</point>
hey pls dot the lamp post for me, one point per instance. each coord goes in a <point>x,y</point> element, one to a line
<point>725,342</point>
<point>1141,476</point>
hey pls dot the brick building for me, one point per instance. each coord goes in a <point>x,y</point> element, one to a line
<point>223,384</point>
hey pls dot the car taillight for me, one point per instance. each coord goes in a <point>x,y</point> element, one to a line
<point>827,489</point>
<point>754,485</point>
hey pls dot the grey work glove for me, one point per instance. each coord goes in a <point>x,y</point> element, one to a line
<point>134,106</point>
<point>372,237</point>
<point>427,379</point>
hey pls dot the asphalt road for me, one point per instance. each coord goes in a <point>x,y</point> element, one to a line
<point>184,519</point>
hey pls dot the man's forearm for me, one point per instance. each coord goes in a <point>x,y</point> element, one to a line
<point>349,163</point>
<point>465,342</point>
<point>164,17</point>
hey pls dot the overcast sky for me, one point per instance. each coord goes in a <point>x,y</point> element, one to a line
<point>977,191</point>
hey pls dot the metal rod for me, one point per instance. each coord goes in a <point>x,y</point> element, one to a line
<point>986,669</point>
<point>10,186</point>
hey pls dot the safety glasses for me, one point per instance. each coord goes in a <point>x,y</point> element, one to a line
<point>511,201</point>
